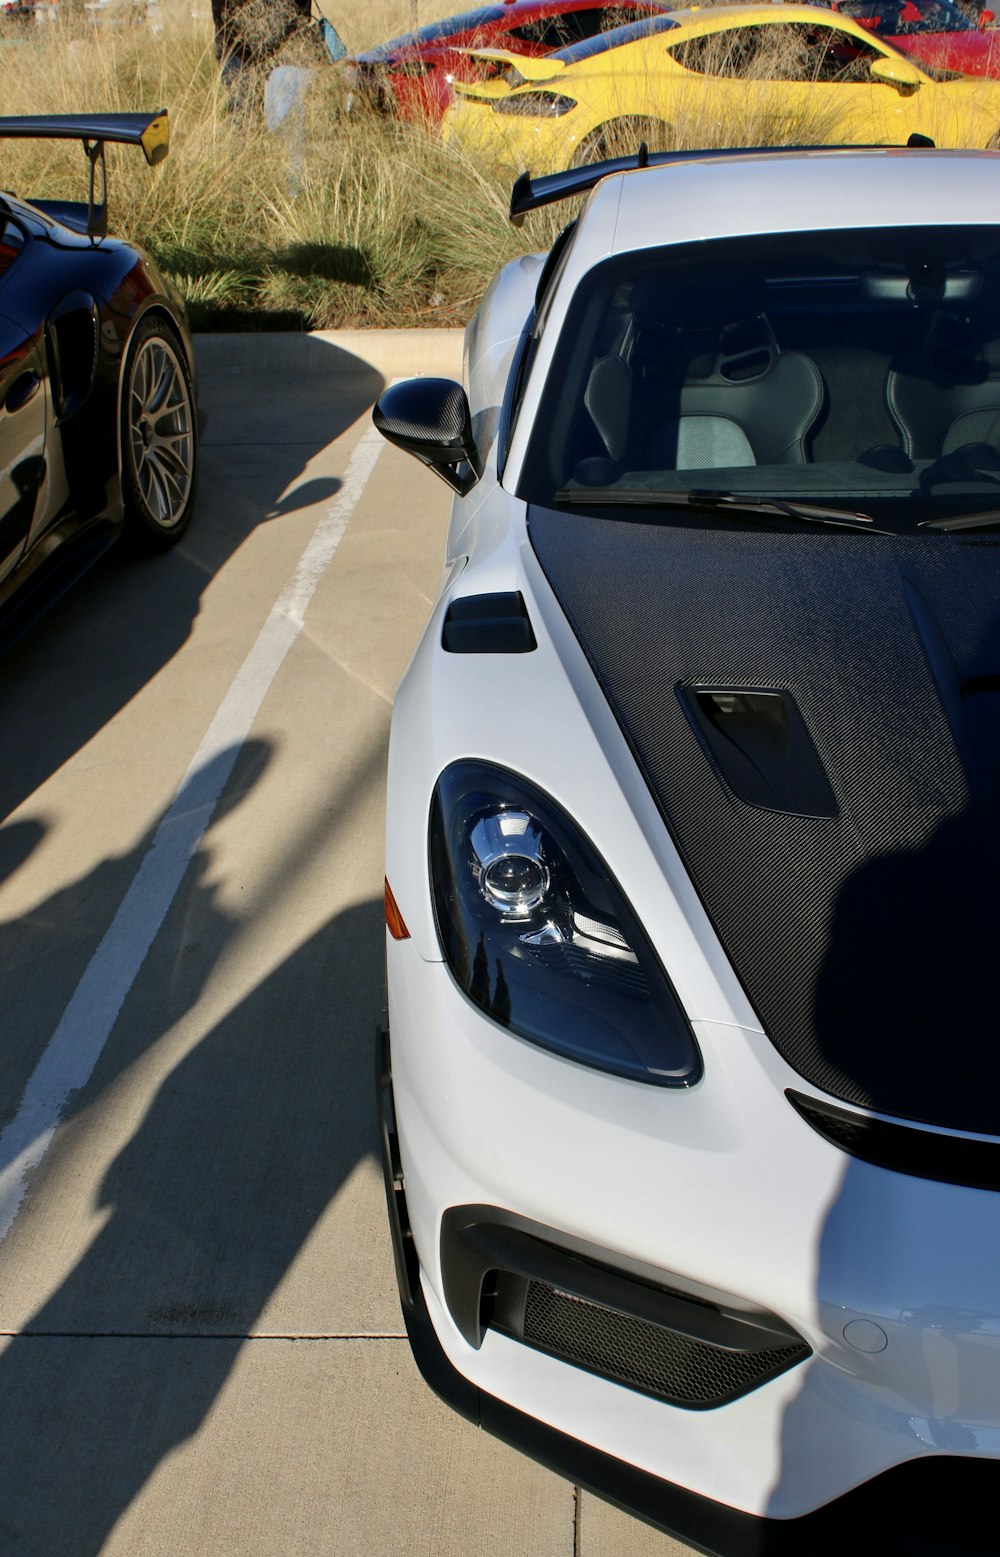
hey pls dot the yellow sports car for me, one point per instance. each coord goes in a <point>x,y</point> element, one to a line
<point>723,76</point>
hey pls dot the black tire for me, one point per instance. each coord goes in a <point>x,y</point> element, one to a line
<point>622,138</point>
<point>159,437</point>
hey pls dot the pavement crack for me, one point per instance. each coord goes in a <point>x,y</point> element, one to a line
<point>202,1335</point>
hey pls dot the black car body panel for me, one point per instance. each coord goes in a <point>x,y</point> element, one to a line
<point>864,930</point>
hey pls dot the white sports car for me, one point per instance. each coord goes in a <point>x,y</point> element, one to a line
<point>692,1116</point>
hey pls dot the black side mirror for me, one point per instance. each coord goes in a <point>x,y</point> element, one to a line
<point>429,418</point>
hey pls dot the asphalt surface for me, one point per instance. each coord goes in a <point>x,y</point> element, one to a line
<point>201,1350</point>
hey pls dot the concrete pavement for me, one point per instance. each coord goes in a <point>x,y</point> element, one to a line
<point>201,1351</point>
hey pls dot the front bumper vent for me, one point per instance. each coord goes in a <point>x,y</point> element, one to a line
<point>664,1336</point>
<point>646,1357</point>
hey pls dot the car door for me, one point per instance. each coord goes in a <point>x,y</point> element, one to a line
<point>22,438</point>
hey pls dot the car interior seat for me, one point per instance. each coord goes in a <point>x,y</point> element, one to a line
<point>946,396</point>
<point>703,398</point>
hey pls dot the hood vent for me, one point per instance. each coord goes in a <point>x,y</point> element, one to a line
<point>757,740</point>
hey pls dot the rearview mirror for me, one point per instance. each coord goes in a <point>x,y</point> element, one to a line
<point>429,418</point>
<point>987,18</point>
<point>896,72</point>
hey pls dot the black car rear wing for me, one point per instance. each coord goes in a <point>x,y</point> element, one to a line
<point>530,194</point>
<point>150,131</point>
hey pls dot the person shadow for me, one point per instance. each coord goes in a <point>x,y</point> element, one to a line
<point>244,1146</point>
<point>907,1271</point>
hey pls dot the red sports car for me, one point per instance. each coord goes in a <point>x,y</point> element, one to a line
<point>934,32</point>
<point>411,75</point>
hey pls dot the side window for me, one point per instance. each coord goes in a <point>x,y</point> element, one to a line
<point>827,54</point>
<point>560,30</point>
<point>730,53</point>
<point>779,51</point>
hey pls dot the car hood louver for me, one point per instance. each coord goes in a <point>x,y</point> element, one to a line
<point>853,884</point>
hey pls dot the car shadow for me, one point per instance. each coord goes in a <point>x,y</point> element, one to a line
<point>107,637</point>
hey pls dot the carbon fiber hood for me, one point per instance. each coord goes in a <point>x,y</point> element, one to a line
<point>866,940</point>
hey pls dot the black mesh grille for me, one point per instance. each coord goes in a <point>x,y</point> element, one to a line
<point>645,1356</point>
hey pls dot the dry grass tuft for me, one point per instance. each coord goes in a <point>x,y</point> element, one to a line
<point>372,223</point>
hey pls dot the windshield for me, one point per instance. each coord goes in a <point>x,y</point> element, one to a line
<point>858,370</point>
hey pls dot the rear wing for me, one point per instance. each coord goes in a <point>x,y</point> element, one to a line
<point>150,131</point>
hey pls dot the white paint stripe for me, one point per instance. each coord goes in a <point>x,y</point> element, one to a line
<point>75,1046</point>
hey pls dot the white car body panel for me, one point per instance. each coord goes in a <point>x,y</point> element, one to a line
<point>722,1185</point>
<point>592,1155</point>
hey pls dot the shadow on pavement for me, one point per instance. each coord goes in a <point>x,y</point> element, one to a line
<point>242,1149</point>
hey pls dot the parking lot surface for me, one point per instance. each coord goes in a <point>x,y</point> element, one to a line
<point>201,1350</point>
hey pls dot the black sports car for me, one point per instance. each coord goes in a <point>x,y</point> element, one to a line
<point>98,416</point>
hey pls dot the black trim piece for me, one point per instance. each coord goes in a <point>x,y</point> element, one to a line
<point>479,1239</point>
<point>488,624</point>
<point>552,259</point>
<point>524,353</point>
<point>403,1252</point>
<point>530,194</point>
<point>903,1148</point>
<point>929,1507</point>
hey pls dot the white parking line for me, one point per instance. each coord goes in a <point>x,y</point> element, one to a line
<point>75,1046</point>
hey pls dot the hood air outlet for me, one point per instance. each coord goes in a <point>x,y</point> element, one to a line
<point>488,624</point>
<point>758,742</point>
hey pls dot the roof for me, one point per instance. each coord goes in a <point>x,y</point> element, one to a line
<point>774,191</point>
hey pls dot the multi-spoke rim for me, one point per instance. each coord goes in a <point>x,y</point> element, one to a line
<point>161,431</point>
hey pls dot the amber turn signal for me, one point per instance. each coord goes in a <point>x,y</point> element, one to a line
<point>393,918</point>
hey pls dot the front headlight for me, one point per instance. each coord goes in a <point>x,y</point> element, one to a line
<point>542,105</point>
<point>539,935</point>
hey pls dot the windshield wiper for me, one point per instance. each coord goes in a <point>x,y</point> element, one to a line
<point>727,502</point>
<point>987,520</point>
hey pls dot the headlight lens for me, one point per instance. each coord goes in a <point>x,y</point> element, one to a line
<point>539,935</point>
<point>542,105</point>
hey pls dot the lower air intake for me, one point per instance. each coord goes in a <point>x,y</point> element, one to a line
<point>644,1356</point>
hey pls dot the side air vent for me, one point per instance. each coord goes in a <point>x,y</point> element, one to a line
<point>73,353</point>
<point>758,741</point>
<point>950,1159</point>
<point>690,1345</point>
<point>488,624</point>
